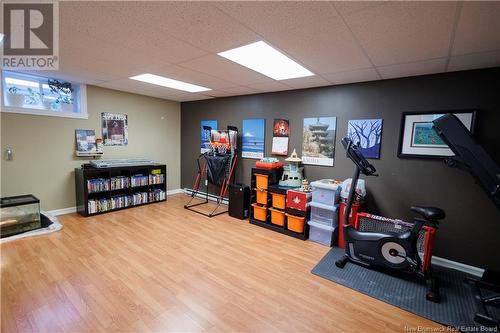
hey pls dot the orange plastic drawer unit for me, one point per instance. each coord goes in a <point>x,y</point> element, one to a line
<point>261,181</point>
<point>295,223</point>
<point>259,212</point>
<point>277,217</point>
<point>279,200</point>
<point>261,196</point>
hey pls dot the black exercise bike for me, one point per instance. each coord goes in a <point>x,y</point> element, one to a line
<point>386,249</point>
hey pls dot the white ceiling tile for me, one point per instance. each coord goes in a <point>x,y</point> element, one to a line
<point>140,86</point>
<point>323,46</point>
<point>360,75</point>
<point>190,97</point>
<point>412,69</point>
<point>198,23</point>
<point>306,82</point>
<point>348,7</point>
<point>270,86</point>
<point>109,22</point>
<point>399,32</point>
<point>220,67</point>
<point>473,61</point>
<point>105,42</point>
<point>241,90</point>
<point>478,28</point>
<point>271,16</point>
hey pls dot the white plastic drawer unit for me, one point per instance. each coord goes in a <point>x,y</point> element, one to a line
<point>326,191</point>
<point>321,234</point>
<point>324,214</point>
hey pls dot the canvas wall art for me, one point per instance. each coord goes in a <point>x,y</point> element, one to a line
<point>318,145</point>
<point>253,138</point>
<point>368,134</point>
<point>419,140</point>
<point>281,133</point>
<point>85,140</point>
<point>114,129</point>
<point>205,134</point>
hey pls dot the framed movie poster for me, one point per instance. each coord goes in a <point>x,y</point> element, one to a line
<point>368,133</point>
<point>205,134</point>
<point>281,133</point>
<point>253,138</point>
<point>318,138</point>
<point>419,140</point>
<point>114,129</point>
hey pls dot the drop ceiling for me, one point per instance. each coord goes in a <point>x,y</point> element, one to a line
<point>104,43</point>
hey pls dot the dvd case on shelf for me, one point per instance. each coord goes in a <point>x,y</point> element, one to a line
<point>98,185</point>
<point>139,198</point>
<point>120,182</point>
<point>120,201</point>
<point>156,179</point>
<point>99,205</point>
<point>157,195</point>
<point>138,180</point>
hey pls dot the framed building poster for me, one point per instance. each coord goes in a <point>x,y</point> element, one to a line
<point>419,140</point>
<point>318,140</point>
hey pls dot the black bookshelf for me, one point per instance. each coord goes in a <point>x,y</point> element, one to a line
<point>274,175</point>
<point>88,172</point>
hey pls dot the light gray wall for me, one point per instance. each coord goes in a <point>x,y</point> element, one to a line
<point>471,231</point>
<point>44,147</point>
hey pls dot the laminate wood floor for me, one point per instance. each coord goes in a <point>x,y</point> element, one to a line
<point>161,268</point>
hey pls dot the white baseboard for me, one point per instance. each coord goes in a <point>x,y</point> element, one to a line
<point>70,210</point>
<point>176,191</point>
<point>202,195</point>
<point>62,211</point>
<point>476,271</point>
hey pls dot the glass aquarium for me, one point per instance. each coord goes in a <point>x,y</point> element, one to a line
<point>19,214</point>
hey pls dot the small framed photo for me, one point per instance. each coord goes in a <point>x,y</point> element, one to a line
<point>417,138</point>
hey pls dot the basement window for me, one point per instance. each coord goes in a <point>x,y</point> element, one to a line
<point>39,95</point>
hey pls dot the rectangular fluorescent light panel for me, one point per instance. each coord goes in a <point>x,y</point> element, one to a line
<point>263,58</point>
<point>169,83</point>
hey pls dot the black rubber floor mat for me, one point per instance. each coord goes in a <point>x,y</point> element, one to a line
<point>456,309</point>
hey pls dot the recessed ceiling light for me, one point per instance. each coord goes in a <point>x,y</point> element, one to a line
<point>263,58</point>
<point>169,83</point>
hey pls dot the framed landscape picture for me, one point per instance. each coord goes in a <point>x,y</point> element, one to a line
<point>253,138</point>
<point>419,140</point>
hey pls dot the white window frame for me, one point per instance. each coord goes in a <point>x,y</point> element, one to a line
<point>83,114</point>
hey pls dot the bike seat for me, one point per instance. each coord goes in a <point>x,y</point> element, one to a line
<point>429,213</point>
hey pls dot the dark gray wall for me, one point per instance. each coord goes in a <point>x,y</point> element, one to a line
<point>471,231</point>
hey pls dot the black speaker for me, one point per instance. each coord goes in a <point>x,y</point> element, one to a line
<point>239,201</point>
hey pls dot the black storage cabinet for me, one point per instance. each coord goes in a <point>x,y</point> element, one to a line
<point>239,201</point>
